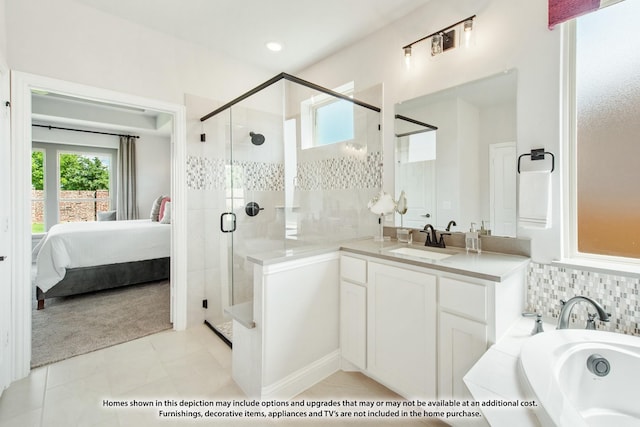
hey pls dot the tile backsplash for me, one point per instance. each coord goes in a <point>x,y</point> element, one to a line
<point>548,284</point>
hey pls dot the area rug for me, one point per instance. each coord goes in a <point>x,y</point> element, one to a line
<point>70,326</point>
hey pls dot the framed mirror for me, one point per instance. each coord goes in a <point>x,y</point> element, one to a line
<point>455,156</point>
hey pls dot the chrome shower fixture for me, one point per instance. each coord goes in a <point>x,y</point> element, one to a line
<point>256,138</point>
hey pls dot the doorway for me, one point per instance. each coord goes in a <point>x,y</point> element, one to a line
<point>23,85</point>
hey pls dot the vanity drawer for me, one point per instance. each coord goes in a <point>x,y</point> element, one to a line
<point>465,298</point>
<point>353,269</point>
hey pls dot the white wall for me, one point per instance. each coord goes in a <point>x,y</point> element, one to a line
<point>66,40</point>
<point>153,164</point>
<point>497,125</point>
<point>510,34</point>
<point>469,165</point>
<point>3,32</point>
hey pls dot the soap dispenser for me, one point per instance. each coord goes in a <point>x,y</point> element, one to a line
<point>472,241</point>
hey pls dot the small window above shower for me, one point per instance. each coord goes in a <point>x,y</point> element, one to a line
<point>326,119</point>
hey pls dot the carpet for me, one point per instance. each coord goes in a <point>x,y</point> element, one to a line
<point>70,326</point>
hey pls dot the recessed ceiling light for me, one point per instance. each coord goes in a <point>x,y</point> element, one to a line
<point>274,46</point>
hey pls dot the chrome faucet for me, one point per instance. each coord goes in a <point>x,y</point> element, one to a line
<point>567,306</point>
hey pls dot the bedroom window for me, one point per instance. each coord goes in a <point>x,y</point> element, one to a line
<point>70,183</point>
<point>38,195</point>
<point>84,181</point>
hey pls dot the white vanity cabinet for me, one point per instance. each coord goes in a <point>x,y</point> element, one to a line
<point>472,315</point>
<point>414,326</point>
<point>353,311</point>
<point>418,330</point>
<point>401,329</point>
<point>462,333</point>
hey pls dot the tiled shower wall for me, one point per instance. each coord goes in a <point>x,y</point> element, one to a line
<point>618,294</point>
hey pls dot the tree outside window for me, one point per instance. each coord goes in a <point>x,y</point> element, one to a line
<point>83,183</point>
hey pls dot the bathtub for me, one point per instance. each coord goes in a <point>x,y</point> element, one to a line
<point>554,369</point>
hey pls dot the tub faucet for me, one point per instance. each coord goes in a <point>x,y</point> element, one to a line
<point>567,306</point>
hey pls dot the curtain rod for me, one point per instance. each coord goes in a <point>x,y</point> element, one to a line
<point>86,131</point>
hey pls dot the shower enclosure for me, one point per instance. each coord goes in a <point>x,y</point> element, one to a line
<point>294,166</point>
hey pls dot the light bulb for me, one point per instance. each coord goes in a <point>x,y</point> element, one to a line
<point>436,44</point>
<point>468,29</point>
<point>407,56</point>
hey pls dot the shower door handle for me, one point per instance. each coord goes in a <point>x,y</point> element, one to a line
<point>224,219</point>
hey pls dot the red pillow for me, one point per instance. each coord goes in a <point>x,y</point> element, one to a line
<point>162,203</point>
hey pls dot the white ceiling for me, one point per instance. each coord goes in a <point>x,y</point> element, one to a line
<point>308,30</point>
<point>62,110</point>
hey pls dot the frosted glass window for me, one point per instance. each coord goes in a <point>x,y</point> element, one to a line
<point>326,119</point>
<point>608,125</point>
<point>418,147</point>
<point>422,147</point>
<point>334,122</point>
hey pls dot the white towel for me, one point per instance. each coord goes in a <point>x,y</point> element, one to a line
<point>534,199</point>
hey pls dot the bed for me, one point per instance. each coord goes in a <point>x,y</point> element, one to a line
<point>75,258</point>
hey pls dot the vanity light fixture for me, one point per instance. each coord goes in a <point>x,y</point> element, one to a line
<point>444,39</point>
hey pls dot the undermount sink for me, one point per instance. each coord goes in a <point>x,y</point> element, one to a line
<point>421,253</point>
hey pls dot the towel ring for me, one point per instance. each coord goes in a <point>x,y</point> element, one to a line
<point>538,154</point>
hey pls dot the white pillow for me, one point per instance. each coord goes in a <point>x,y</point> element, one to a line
<point>155,208</point>
<point>166,218</point>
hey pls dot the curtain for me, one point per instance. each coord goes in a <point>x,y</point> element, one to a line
<point>127,206</point>
<point>563,10</point>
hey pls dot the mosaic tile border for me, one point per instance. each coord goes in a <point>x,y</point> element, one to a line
<point>548,284</point>
<point>205,174</point>
<point>210,174</point>
<point>340,173</point>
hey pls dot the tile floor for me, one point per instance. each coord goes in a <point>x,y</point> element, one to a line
<point>181,365</point>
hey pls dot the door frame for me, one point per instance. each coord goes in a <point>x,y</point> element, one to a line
<point>21,86</point>
<point>5,229</point>
<point>492,184</point>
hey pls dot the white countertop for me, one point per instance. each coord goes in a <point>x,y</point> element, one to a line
<point>291,254</point>
<point>485,265</point>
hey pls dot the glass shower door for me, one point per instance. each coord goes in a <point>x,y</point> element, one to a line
<point>251,219</point>
<point>280,191</point>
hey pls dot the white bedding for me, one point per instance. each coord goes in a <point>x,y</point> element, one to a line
<point>87,244</point>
